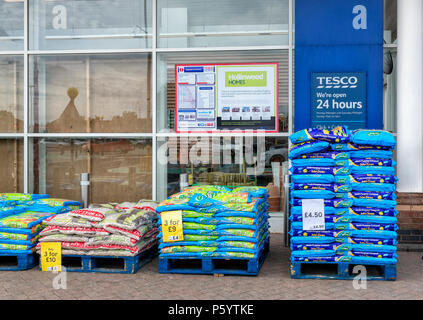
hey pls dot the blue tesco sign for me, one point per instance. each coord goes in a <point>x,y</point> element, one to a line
<point>338,43</point>
<point>338,98</point>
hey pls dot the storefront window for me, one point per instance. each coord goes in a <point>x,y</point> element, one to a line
<point>90,93</point>
<point>390,89</point>
<point>390,21</point>
<point>11,94</point>
<point>231,161</point>
<point>11,165</point>
<point>90,24</point>
<point>166,79</point>
<point>11,25</point>
<point>222,23</point>
<point>120,169</point>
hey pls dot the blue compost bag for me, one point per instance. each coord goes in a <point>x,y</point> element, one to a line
<point>366,211</point>
<point>313,246</point>
<point>307,147</point>
<point>379,234</point>
<point>312,240</point>
<point>388,171</point>
<point>366,248</point>
<point>334,155</point>
<point>344,147</point>
<point>313,253</point>
<point>338,134</point>
<point>373,138</point>
<point>372,162</point>
<point>370,219</point>
<point>367,195</point>
<point>374,203</point>
<point>336,203</point>
<point>373,154</point>
<point>383,187</point>
<point>318,162</point>
<point>357,240</point>
<point>321,170</point>
<point>364,226</point>
<point>370,178</point>
<point>312,194</point>
<point>304,233</point>
<point>321,186</point>
<point>313,178</point>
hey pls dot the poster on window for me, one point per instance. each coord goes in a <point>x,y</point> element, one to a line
<point>226,97</point>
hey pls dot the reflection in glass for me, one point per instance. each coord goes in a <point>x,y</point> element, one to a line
<point>390,21</point>
<point>11,25</point>
<point>390,89</point>
<point>91,93</point>
<point>230,161</point>
<point>11,93</point>
<point>166,79</point>
<point>120,170</point>
<point>222,23</point>
<point>90,24</point>
<point>11,165</point>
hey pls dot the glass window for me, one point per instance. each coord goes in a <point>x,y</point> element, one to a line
<point>90,24</point>
<point>222,23</point>
<point>120,169</point>
<point>166,79</point>
<point>11,94</point>
<point>390,89</point>
<point>11,25</point>
<point>390,21</point>
<point>11,165</point>
<point>90,93</point>
<point>228,161</point>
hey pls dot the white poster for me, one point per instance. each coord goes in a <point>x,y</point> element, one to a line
<point>313,211</point>
<point>227,97</point>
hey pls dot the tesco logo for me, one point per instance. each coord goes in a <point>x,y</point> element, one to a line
<point>337,82</point>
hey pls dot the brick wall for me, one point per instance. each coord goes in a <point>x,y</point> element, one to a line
<point>410,218</point>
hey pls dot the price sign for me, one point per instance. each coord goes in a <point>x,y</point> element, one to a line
<point>172,226</point>
<point>51,256</point>
<point>313,214</point>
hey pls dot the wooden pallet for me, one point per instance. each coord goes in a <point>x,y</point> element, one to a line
<point>17,262</point>
<point>214,265</point>
<point>108,264</point>
<point>341,271</point>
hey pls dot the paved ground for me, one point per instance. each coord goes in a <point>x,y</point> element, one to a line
<point>274,282</point>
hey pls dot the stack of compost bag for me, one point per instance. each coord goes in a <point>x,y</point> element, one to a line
<point>217,221</point>
<point>359,199</point>
<point>21,219</point>
<point>126,229</point>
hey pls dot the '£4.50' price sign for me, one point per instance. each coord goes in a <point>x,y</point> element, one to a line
<point>172,226</point>
<point>313,214</point>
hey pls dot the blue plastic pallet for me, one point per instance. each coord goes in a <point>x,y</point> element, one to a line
<point>18,261</point>
<point>108,264</point>
<point>210,265</point>
<point>343,271</point>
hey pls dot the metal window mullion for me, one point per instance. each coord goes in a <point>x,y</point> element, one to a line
<point>154,99</point>
<point>214,49</point>
<point>90,135</point>
<point>290,68</point>
<point>26,99</point>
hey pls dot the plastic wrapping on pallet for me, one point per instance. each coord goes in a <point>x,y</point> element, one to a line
<point>217,222</point>
<point>358,195</point>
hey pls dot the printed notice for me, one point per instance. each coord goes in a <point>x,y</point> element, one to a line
<point>313,214</point>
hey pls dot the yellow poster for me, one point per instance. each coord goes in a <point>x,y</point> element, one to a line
<point>51,256</point>
<point>172,226</point>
